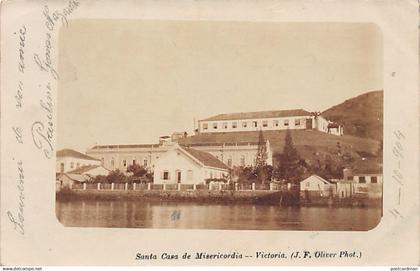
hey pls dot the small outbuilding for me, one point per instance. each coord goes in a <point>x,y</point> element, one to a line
<point>315,185</point>
<point>68,180</point>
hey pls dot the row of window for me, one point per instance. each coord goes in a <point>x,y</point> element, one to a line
<point>229,161</point>
<point>212,174</point>
<point>362,179</point>
<point>166,175</point>
<point>254,124</point>
<point>124,162</point>
<point>72,165</point>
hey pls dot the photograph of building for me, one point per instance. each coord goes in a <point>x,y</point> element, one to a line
<point>147,155</point>
<point>268,120</point>
<point>220,125</point>
<point>68,160</point>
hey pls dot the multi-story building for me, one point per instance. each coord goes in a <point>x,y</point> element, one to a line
<point>268,120</point>
<point>146,155</point>
<point>68,160</point>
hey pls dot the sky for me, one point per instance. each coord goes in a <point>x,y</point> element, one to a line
<point>131,81</point>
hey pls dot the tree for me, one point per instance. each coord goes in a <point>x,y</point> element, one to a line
<point>115,176</point>
<point>263,173</point>
<point>99,179</point>
<point>137,170</point>
<point>289,165</point>
<point>261,157</point>
<point>245,174</point>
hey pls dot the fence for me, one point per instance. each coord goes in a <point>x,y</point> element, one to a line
<point>180,187</point>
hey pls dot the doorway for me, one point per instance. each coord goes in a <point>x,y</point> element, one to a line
<point>178,176</point>
<point>308,123</point>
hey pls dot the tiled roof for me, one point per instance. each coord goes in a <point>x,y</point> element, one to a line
<point>83,169</point>
<point>260,115</point>
<point>319,178</point>
<point>206,158</point>
<point>74,154</point>
<point>75,177</point>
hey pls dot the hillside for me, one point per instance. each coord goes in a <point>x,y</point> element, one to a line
<point>310,144</point>
<point>361,116</point>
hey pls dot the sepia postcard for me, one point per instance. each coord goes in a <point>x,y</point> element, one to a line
<point>209,133</point>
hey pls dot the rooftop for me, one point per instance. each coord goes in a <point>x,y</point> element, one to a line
<point>74,154</point>
<point>259,115</point>
<point>83,169</point>
<point>127,146</point>
<point>75,177</point>
<point>206,158</point>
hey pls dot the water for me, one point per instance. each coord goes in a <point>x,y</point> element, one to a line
<point>140,214</point>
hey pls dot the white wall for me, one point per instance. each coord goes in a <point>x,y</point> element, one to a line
<point>76,162</point>
<point>236,154</point>
<point>140,155</point>
<point>368,178</point>
<point>319,123</point>
<point>312,183</point>
<point>173,161</point>
<point>233,152</point>
<point>250,126</point>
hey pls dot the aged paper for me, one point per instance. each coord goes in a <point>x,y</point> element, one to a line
<point>209,133</point>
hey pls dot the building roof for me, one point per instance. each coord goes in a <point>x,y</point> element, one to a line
<point>76,177</point>
<point>259,115</point>
<point>206,158</point>
<point>127,146</point>
<point>318,178</point>
<point>83,169</point>
<point>74,154</point>
<point>218,144</point>
<point>333,125</point>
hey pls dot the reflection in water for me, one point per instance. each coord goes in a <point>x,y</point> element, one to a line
<point>140,214</point>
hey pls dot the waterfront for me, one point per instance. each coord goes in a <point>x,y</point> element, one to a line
<point>240,216</point>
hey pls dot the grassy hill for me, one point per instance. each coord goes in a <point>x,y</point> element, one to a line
<point>361,116</point>
<point>310,144</point>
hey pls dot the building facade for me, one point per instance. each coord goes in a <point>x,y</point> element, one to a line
<point>68,160</point>
<point>121,156</point>
<point>91,171</point>
<point>186,165</point>
<point>316,185</point>
<point>268,120</point>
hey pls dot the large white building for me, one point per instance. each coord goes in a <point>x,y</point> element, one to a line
<point>187,165</point>
<point>68,160</point>
<point>147,155</point>
<point>268,120</point>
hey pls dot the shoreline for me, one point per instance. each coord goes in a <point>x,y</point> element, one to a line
<point>224,197</point>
